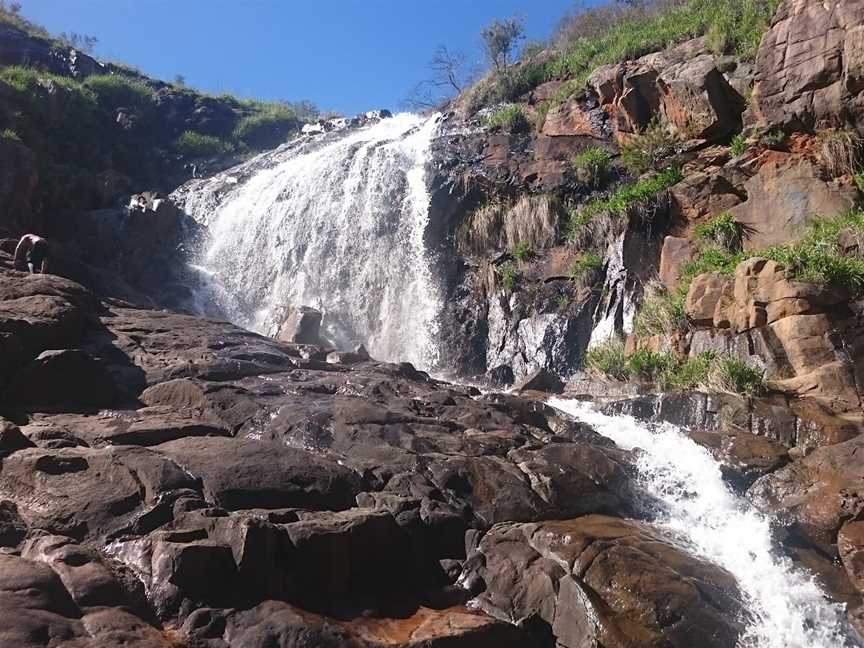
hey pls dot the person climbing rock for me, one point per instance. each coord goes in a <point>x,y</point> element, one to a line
<point>31,254</point>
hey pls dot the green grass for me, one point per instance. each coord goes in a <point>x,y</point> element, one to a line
<point>508,275</point>
<point>608,359</point>
<point>774,138</point>
<point>670,371</point>
<point>272,123</point>
<point>522,251</point>
<point>592,166</point>
<point>510,119</point>
<point>735,376</point>
<point>646,150</point>
<point>733,26</point>
<point>661,311</point>
<point>738,146</point>
<point>585,265</point>
<point>117,91</point>
<point>723,231</point>
<point>859,182</point>
<point>632,195</point>
<point>9,134</point>
<point>197,145</point>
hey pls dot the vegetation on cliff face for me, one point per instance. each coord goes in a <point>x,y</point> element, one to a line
<point>122,124</point>
<point>619,32</point>
<point>670,371</point>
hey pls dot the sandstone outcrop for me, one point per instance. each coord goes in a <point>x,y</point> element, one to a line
<point>808,69</point>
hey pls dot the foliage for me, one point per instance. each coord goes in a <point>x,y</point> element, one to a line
<point>774,138</point>
<point>711,259</point>
<point>714,372</point>
<point>723,231</point>
<point>689,373</point>
<point>197,145</point>
<point>269,124</point>
<point>841,152</point>
<point>591,166</point>
<point>645,150</point>
<point>522,251</point>
<point>608,359</point>
<point>662,311</point>
<point>499,40</point>
<point>510,119</point>
<point>116,91</point>
<point>735,376</point>
<point>586,264</point>
<point>648,365</point>
<point>509,276</point>
<point>738,146</point>
<point>733,26</point>
<point>10,134</point>
<point>639,194</point>
<point>859,181</point>
<point>563,302</point>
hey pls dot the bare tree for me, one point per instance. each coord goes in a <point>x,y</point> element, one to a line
<point>499,40</point>
<point>80,42</point>
<point>450,75</point>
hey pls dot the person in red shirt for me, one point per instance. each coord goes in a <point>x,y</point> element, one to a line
<point>31,253</point>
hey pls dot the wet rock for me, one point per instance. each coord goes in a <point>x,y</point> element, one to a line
<point>605,581</point>
<point>81,492</point>
<point>816,494</point>
<point>302,326</point>
<point>540,380</point>
<point>245,473</point>
<point>67,378</point>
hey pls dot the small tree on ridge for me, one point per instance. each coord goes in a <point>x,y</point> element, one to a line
<point>499,40</point>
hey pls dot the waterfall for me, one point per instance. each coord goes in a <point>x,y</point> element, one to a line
<point>788,607</point>
<point>336,222</point>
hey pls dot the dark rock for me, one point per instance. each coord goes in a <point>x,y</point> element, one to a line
<point>244,473</point>
<point>67,378</point>
<point>540,380</point>
<point>603,581</point>
<point>302,326</point>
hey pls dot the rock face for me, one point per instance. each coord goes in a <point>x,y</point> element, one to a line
<point>799,332</point>
<point>18,180</point>
<point>808,69</point>
<point>245,490</point>
<point>682,84</point>
<point>599,581</point>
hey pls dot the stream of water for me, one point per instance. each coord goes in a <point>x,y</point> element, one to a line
<point>788,606</point>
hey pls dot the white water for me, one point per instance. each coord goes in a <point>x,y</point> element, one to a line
<point>338,227</point>
<point>789,608</point>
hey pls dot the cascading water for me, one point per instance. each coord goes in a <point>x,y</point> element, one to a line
<point>788,607</point>
<point>337,226</point>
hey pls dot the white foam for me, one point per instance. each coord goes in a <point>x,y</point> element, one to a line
<point>789,608</point>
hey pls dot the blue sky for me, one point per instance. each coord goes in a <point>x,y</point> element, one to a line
<point>344,55</point>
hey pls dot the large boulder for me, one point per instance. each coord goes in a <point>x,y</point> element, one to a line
<point>246,473</point>
<point>302,326</point>
<point>681,84</point>
<point>600,581</point>
<point>815,495</point>
<point>808,69</point>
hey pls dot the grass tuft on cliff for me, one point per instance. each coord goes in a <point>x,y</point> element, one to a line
<point>634,197</point>
<point>710,371</point>
<point>510,119</point>
<point>592,166</point>
<point>117,91</point>
<point>198,145</point>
